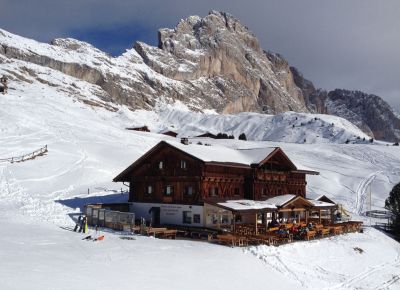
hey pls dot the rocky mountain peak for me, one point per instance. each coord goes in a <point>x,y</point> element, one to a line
<point>212,62</point>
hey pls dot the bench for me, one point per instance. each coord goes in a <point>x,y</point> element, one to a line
<point>169,234</point>
<point>155,231</point>
<point>336,230</point>
<point>231,240</point>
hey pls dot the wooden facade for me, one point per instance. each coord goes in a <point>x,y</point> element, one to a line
<point>167,174</point>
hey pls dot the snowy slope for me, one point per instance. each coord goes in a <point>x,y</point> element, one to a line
<point>88,146</point>
<point>289,127</point>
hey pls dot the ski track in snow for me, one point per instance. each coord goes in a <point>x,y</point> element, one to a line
<point>362,191</point>
<point>371,276</point>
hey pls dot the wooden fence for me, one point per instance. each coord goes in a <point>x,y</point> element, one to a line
<point>26,157</point>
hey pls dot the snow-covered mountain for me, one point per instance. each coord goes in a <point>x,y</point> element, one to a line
<point>89,145</point>
<point>369,112</point>
<point>209,63</point>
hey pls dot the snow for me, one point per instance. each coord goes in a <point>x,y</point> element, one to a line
<point>89,146</point>
<point>245,204</point>
<point>318,203</point>
<point>280,199</point>
<point>218,153</point>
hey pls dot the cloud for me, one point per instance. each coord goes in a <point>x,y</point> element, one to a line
<point>336,44</point>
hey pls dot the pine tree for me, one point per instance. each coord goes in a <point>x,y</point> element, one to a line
<point>242,137</point>
<point>392,203</point>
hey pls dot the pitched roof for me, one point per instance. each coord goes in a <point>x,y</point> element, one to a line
<point>220,154</point>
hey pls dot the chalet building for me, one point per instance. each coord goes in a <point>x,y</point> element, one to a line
<point>180,184</point>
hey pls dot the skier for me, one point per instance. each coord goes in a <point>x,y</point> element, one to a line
<point>78,223</point>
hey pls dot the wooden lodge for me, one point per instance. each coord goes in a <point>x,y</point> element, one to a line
<point>215,187</point>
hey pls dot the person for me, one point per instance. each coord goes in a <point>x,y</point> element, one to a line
<point>78,223</point>
<point>3,81</point>
<point>274,223</point>
<point>82,225</point>
<point>85,225</point>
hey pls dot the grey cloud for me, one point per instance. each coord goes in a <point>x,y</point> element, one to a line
<point>350,44</point>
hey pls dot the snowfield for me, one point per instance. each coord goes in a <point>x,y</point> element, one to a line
<point>89,146</point>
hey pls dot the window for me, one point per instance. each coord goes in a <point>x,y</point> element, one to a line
<point>161,165</point>
<point>213,191</point>
<point>238,218</point>
<point>149,189</point>
<point>189,190</point>
<point>187,217</point>
<point>183,164</point>
<point>263,191</point>
<point>169,190</point>
<point>236,191</point>
<point>196,218</point>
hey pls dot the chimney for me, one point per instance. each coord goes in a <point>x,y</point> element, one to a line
<point>185,141</point>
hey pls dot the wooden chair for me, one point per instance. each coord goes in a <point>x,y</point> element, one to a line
<point>310,235</point>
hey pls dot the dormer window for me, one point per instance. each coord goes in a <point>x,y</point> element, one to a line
<point>183,164</point>
<point>161,165</point>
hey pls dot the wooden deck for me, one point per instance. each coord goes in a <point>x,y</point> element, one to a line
<point>286,233</point>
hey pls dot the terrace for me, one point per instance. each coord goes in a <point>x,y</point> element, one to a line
<point>275,221</point>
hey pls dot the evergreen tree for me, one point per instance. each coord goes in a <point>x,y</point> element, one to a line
<point>242,137</point>
<point>392,203</point>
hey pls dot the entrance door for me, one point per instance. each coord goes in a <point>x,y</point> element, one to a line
<point>155,216</point>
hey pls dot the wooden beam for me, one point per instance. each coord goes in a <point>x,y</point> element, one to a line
<point>234,222</point>
<point>265,220</point>
<point>256,223</point>
<point>319,212</point>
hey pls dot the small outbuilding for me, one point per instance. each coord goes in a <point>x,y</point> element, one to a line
<point>207,135</point>
<point>169,133</point>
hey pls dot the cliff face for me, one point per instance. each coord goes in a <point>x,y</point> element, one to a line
<point>223,51</point>
<point>213,62</point>
<point>369,112</point>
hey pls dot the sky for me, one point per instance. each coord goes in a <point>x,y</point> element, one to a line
<point>349,44</point>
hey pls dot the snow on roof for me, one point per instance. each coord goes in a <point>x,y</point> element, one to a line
<point>318,203</point>
<point>280,200</point>
<point>218,153</point>
<point>245,204</point>
<point>256,155</point>
<point>314,195</point>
